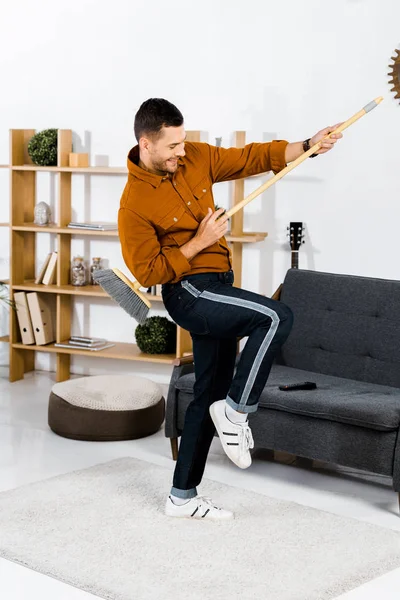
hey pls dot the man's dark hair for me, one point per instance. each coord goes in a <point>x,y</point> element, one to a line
<point>153,115</point>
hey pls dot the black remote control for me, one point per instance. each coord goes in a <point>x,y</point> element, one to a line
<point>305,385</point>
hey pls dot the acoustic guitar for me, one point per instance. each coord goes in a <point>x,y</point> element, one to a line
<point>296,238</point>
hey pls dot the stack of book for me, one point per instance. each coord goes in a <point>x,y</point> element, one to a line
<point>98,226</point>
<point>76,342</point>
<point>48,271</point>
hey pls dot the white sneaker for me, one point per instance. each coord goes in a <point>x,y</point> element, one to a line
<point>199,507</point>
<point>236,438</point>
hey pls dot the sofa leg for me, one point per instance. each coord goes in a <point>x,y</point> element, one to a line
<point>174,448</point>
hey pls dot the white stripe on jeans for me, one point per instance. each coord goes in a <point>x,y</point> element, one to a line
<point>252,306</point>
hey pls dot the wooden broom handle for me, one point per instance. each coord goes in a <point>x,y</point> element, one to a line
<point>301,158</point>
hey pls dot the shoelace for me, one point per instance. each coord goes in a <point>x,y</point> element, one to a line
<point>205,501</point>
<point>245,439</point>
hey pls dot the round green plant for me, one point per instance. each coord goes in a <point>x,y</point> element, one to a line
<point>42,148</point>
<point>157,335</point>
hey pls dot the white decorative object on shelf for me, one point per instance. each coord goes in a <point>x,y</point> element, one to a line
<point>42,213</point>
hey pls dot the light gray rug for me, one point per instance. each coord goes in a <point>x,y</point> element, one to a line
<point>103,530</point>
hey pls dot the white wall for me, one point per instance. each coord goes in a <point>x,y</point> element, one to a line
<point>275,69</point>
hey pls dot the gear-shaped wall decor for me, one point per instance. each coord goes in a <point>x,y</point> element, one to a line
<point>395,74</point>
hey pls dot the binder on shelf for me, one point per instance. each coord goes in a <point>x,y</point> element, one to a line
<point>24,318</point>
<point>41,316</point>
<point>51,271</point>
<point>43,269</point>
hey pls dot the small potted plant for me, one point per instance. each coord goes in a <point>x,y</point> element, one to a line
<point>42,148</point>
<point>4,298</point>
<point>157,335</point>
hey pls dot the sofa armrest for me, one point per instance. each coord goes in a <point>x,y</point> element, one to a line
<point>184,367</point>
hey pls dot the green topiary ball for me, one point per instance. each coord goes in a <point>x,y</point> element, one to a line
<point>157,335</point>
<point>42,148</point>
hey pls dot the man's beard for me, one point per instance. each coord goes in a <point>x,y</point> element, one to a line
<point>164,167</point>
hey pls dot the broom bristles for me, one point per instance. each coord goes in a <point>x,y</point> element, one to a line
<point>123,295</point>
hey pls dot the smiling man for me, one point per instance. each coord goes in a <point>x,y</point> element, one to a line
<point>171,234</point>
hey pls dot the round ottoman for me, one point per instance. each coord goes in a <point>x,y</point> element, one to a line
<point>106,408</point>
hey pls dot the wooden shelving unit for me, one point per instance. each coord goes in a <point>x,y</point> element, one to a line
<point>23,246</point>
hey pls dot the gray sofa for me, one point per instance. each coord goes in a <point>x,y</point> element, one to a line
<point>345,338</point>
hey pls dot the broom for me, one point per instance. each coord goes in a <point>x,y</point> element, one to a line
<point>127,293</point>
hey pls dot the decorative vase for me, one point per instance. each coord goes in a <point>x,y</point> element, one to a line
<point>94,267</point>
<point>78,271</point>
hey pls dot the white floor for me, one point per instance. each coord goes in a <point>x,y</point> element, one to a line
<point>29,451</point>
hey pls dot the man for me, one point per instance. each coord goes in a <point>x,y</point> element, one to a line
<point>171,234</point>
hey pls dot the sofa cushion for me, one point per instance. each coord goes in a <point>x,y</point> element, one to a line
<point>335,399</point>
<point>344,325</point>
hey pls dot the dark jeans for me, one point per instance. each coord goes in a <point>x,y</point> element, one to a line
<point>216,314</point>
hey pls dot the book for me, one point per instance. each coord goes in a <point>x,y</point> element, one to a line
<point>51,271</point>
<point>87,344</point>
<point>24,318</point>
<point>97,224</point>
<point>87,340</point>
<point>41,310</point>
<point>89,349</point>
<point>100,225</point>
<point>43,268</point>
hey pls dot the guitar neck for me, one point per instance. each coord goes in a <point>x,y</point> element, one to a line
<point>296,236</point>
<point>295,259</point>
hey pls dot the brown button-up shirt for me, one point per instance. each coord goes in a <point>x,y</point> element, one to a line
<point>158,214</point>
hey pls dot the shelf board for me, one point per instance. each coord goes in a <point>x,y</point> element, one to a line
<point>247,237</point>
<point>5,338</point>
<point>94,170</point>
<point>121,350</point>
<point>85,290</point>
<point>53,228</point>
<point>4,224</point>
<point>4,166</point>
